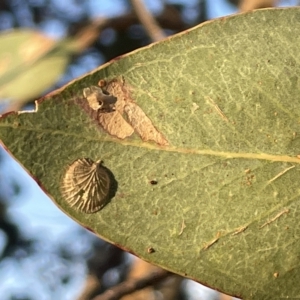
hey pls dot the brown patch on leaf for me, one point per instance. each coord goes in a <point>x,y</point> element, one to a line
<point>109,120</point>
<point>98,100</point>
<point>136,117</point>
<point>127,118</point>
<point>143,125</point>
<point>117,88</point>
<point>115,125</point>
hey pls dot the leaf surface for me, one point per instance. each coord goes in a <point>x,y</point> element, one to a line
<point>214,191</point>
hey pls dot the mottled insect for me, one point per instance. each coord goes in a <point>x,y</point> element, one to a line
<point>99,100</point>
<point>86,185</point>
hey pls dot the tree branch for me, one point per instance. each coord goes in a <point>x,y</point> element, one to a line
<point>247,5</point>
<point>150,24</point>
<point>133,285</point>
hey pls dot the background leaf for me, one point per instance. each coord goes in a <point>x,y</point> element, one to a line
<point>28,57</point>
<point>31,62</point>
<point>225,207</point>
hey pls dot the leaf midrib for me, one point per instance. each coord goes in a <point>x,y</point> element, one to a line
<point>145,145</point>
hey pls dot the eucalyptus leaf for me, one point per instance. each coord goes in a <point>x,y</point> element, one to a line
<point>206,170</point>
<point>30,63</point>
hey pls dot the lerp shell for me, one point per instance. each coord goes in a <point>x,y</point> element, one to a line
<point>85,185</point>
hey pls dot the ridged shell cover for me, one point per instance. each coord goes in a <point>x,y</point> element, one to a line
<point>86,185</point>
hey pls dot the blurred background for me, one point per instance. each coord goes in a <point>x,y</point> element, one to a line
<point>43,253</point>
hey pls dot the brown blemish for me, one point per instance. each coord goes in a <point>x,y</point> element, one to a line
<point>102,83</point>
<point>112,122</point>
<point>117,89</point>
<point>150,250</point>
<point>249,178</point>
<point>143,125</point>
<point>136,118</point>
<point>115,125</point>
<point>153,182</point>
<point>99,100</point>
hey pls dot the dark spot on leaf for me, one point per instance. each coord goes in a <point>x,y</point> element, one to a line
<point>150,250</point>
<point>102,83</point>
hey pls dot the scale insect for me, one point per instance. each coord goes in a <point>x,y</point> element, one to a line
<point>86,185</point>
<point>99,100</point>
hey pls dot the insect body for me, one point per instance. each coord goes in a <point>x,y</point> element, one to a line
<point>86,185</point>
<point>99,100</point>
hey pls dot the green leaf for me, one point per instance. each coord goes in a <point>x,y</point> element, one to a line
<point>212,116</point>
<point>30,63</point>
